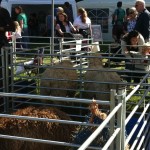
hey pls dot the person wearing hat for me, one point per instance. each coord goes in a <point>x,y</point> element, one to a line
<point>6,24</point>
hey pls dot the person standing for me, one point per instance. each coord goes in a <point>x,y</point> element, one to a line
<point>68,11</point>
<point>33,24</point>
<point>131,19</point>
<point>83,23</point>
<point>56,19</point>
<point>17,35</point>
<point>6,24</point>
<point>64,26</point>
<point>118,22</point>
<point>49,24</point>
<point>23,22</point>
<point>143,19</point>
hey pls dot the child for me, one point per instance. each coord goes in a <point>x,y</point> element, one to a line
<point>17,35</point>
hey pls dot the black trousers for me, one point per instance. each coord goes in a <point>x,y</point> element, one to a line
<point>131,67</point>
<point>139,76</point>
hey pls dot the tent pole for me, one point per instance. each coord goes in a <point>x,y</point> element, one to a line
<point>52,33</point>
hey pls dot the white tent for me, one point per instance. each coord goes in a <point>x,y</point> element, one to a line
<point>40,4</point>
<point>109,5</point>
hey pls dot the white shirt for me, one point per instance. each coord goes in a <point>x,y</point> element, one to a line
<point>140,43</point>
<point>17,33</point>
<point>80,25</point>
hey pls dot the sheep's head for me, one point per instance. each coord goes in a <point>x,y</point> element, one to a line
<point>95,61</point>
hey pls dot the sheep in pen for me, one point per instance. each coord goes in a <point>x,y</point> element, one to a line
<point>102,81</point>
<point>35,129</point>
<point>59,80</point>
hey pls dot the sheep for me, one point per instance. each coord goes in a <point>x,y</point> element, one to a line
<point>50,86</point>
<point>99,74</point>
<point>35,129</point>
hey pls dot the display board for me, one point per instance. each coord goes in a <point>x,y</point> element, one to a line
<point>97,33</point>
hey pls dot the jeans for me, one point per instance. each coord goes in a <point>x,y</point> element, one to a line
<point>25,40</point>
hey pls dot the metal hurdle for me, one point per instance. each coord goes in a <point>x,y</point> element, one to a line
<point>118,103</point>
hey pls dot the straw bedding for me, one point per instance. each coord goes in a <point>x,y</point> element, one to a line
<point>35,129</point>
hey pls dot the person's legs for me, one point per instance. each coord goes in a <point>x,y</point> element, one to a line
<point>18,44</point>
<point>129,67</point>
<point>138,76</point>
<point>119,32</point>
<point>25,40</point>
<point>114,33</point>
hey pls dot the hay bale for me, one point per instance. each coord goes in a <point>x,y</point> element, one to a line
<point>35,129</point>
<point>61,73</point>
<point>99,75</point>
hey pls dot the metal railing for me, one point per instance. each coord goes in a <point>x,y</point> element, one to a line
<point>116,120</point>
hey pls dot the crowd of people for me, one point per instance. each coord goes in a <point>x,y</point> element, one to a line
<point>81,24</point>
<point>131,29</point>
<point>134,18</point>
<point>41,24</point>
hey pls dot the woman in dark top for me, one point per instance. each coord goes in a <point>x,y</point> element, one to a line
<point>63,25</point>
